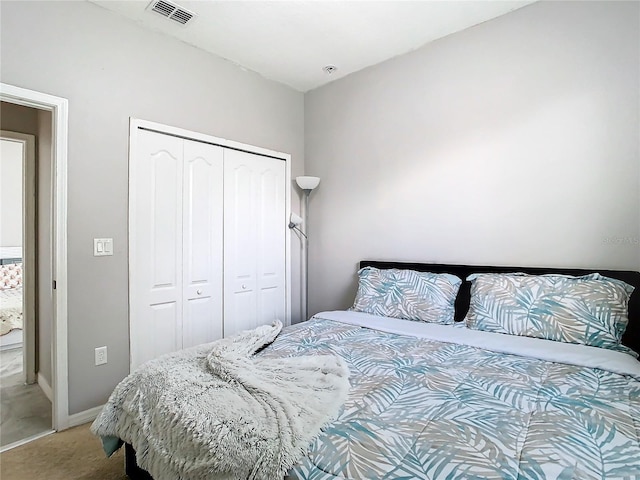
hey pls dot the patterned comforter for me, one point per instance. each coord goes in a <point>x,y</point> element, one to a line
<point>425,409</point>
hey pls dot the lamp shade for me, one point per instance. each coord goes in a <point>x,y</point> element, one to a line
<point>307,183</point>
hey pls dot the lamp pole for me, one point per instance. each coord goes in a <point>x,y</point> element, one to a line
<point>307,192</point>
<point>306,184</point>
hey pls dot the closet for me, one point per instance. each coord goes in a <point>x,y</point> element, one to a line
<point>207,242</point>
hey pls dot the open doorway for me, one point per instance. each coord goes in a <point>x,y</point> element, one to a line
<point>26,297</point>
<point>58,108</point>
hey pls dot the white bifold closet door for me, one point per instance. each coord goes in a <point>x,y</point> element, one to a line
<point>176,256</point>
<point>207,243</point>
<point>254,240</point>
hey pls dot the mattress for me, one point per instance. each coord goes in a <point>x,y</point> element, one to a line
<point>433,401</point>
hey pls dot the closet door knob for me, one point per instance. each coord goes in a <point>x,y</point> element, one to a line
<point>244,287</point>
<point>199,292</point>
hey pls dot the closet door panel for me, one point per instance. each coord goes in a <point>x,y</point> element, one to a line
<point>157,249</point>
<point>254,241</point>
<point>240,254</point>
<point>242,304</point>
<point>202,253</point>
<point>156,340</point>
<point>207,243</point>
<point>271,244</point>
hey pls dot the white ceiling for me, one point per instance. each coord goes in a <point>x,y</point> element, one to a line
<point>291,41</point>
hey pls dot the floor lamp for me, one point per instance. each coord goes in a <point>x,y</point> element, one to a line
<point>306,184</point>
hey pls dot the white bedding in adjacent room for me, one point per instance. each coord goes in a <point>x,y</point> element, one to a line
<point>10,310</point>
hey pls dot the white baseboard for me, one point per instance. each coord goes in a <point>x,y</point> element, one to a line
<point>46,388</point>
<point>81,418</point>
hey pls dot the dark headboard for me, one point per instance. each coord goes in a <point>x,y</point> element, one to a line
<point>631,337</point>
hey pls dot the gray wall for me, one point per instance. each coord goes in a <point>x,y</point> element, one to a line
<point>514,142</point>
<point>17,118</point>
<point>44,301</point>
<point>14,118</point>
<point>110,69</point>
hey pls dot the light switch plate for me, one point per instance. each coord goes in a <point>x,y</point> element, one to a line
<point>102,247</point>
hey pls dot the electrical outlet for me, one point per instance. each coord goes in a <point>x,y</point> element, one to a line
<point>101,355</point>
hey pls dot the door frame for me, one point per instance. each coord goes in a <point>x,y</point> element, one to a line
<point>59,108</point>
<point>135,125</point>
<point>28,142</point>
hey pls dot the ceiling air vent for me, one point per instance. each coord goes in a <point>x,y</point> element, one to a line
<point>171,11</point>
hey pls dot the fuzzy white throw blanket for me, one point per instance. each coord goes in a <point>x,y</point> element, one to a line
<point>216,412</point>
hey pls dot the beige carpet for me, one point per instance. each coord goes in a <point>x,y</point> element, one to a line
<point>74,454</point>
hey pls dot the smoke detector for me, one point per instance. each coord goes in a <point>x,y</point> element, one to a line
<point>171,11</point>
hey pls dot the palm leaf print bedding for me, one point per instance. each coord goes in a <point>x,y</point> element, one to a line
<point>425,409</point>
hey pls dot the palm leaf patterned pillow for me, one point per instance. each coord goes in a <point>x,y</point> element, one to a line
<point>407,294</point>
<point>590,310</point>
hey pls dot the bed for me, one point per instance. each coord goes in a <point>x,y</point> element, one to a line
<point>447,401</point>
<point>11,317</point>
<point>11,309</point>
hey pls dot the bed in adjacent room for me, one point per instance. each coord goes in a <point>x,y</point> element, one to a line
<point>11,307</point>
<point>503,375</point>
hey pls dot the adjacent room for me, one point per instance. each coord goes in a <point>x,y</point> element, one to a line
<point>25,304</point>
<point>437,202</point>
